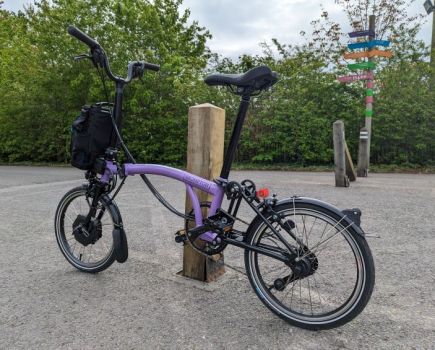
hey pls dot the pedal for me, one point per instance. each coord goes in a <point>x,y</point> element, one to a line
<point>180,236</point>
<point>195,232</point>
<point>220,222</point>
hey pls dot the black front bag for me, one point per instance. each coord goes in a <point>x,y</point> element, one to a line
<point>91,134</point>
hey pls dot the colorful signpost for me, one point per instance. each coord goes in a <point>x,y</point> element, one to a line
<point>362,33</point>
<point>367,54</point>
<point>352,78</point>
<point>368,44</point>
<point>362,65</point>
<point>369,50</point>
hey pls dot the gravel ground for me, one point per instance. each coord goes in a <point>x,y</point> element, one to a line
<point>46,304</point>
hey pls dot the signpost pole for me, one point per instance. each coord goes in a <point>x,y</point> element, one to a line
<point>362,172</point>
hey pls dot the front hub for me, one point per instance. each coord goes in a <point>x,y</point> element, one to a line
<point>86,234</point>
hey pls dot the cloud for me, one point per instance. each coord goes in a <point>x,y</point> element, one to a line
<point>239,27</point>
<point>15,5</point>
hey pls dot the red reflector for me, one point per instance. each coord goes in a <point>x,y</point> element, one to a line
<point>262,193</point>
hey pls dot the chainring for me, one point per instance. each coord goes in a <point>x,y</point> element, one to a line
<point>201,246</point>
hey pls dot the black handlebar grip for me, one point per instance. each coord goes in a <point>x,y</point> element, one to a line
<point>151,66</point>
<point>77,33</point>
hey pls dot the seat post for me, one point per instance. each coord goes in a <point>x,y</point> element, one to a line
<point>235,136</point>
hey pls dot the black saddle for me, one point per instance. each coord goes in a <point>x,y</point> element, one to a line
<point>256,79</point>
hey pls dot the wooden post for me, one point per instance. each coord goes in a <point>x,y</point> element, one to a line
<point>350,169</point>
<point>362,153</point>
<point>205,151</point>
<point>341,179</point>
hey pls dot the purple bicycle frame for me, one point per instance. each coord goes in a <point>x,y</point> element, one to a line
<point>191,181</point>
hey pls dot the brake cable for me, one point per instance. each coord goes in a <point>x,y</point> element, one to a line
<point>151,187</point>
<point>130,157</point>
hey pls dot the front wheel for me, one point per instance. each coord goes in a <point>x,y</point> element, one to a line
<point>89,248</point>
<point>335,275</point>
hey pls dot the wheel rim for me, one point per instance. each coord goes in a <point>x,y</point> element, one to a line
<point>335,287</point>
<point>93,255</point>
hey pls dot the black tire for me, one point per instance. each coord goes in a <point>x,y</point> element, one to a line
<point>68,243</point>
<point>304,316</point>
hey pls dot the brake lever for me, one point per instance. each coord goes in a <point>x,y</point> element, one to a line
<point>141,73</point>
<point>81,57</point>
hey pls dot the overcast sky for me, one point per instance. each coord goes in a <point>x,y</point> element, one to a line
<point>238,26</point>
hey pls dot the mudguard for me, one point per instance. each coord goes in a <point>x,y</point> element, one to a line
<point>120,245</point>
<point>352,216</point>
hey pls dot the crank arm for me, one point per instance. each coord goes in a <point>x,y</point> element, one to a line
<point>194,233</point>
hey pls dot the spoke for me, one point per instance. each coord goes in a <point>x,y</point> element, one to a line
<point>324,290</point>
<point>300,294</point>
<point>277,268</point>
<point>318,292</point>
<point>337,253</point>
<point>74,247</point>
<point>327,242</point>
<point>313,250</point>
<point>293,290</point>
<point>333,227</point>
<point>309,292</point>
<point>324,229</point>
<point>70,220</point>
<point>104,244</point>
<point>309,233</point>
<point>73,205</point>
<point>90,254</point>
<point>305,229</point>
<point>82,253</point>
<point>288,291</point>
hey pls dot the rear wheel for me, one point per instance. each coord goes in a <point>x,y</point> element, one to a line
<point>88,248</point>
<point>335,275</point>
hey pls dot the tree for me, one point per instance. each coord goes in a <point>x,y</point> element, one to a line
<point>54,91</point>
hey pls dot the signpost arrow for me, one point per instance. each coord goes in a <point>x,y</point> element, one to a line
<point>362,33</point>
<point>372,53</point>
<point>362,65</point>
<point>368,44</point>
<point>351,78</point>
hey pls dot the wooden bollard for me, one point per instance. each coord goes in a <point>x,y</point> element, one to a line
<point>363,155</point>
<point>205,152</point>
<point>341,179</point>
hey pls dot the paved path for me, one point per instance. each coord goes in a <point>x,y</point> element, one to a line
<point>46,304</point>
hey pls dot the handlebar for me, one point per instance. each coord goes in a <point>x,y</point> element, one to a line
<point>78,34</point>
<point>99,58</point>
<point>152,66</point>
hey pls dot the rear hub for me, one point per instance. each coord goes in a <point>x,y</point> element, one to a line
<point>300,269</point>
